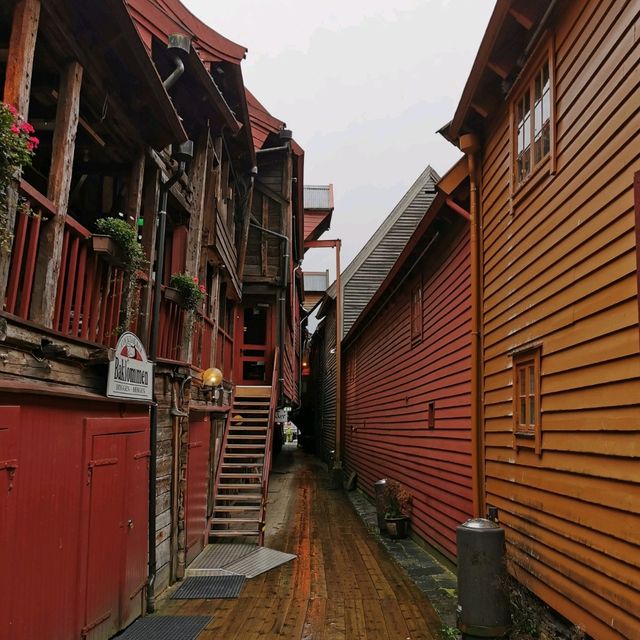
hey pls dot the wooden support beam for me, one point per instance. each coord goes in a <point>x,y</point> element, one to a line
<point>499,69</point>
<point>50,249</point>
<point>22,47</point>
<point>264,253</point>
<point>135,190</point>
<point>520,15</point>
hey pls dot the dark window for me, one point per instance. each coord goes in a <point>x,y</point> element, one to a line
<point>416,314</point>
<point>526,395</point>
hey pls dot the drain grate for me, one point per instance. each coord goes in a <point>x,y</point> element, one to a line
<point>210,587</point>
<point>261,560</point>
<point>166,628</point>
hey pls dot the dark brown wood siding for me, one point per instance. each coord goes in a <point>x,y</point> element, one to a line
<point>390,380</point>
<point>560,272</point>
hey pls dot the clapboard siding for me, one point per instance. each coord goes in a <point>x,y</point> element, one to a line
<point>559,269</point>
<point>389,383</point>
<point>327,431</point>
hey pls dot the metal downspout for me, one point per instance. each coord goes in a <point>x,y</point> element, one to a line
<point>469,144</point>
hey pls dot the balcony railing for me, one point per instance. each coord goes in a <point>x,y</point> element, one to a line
<point>224,353</point>
<point>90,290</point>
<point>202,343</point>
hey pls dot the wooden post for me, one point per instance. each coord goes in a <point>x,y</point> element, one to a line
<point>134,190</point>
<point>17,90</point>
<point>50,249</point>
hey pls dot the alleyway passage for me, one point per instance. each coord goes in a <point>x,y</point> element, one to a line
<point>342,585</point>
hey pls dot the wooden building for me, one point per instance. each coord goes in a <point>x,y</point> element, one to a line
<point>114,96</point>
<point>406,373</point>
<point>549,120</point>
<point>360,280</point>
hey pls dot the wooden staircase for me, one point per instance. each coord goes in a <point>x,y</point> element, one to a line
<point>243,474</point>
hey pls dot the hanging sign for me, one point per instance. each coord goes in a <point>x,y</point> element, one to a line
<point>281,415</point>
<point>130,373</point>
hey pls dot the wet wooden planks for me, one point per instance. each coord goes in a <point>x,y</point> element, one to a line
<point>342,586</point>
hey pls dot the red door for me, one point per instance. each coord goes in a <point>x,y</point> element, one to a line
<point>198,475</point>
<point>254,329</point>
<point>9,418</point>
<point>116,553</point>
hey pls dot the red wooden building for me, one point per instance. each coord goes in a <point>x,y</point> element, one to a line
<point>406,372</point>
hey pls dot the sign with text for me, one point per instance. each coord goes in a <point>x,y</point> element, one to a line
<point>130,373</point>
<point>281,415</point>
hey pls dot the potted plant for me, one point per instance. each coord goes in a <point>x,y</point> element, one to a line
<point>118,243</point>
<point>186,291</point>
<point>17,147</point>
<point>399,502</point>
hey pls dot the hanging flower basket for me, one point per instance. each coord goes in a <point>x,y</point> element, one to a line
<point>193,293</point>
<point>106,247</point>
<point>174,295</point>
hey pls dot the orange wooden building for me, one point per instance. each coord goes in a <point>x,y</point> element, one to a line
<point>549,120</point>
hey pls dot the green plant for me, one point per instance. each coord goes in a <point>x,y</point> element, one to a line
<point>398,500</point>
<point>190,288</point>
<point>449,633</point>
<point>17,147</point>
<point>126,238</point>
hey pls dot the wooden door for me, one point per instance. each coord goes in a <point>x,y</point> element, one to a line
<point>198,475</point>
<point>9,419</point>
<point>255,344</point>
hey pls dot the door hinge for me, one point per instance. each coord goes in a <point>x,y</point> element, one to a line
<point>104,462</point>
<point>11,467</point>
<point>84,632</point>
<point>142,454</point>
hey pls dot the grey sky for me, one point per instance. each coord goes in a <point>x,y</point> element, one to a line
<point>364,85</point>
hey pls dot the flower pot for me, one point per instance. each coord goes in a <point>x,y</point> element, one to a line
<point>173,295</point>
<point>106,247</point>
<point>397,528</point>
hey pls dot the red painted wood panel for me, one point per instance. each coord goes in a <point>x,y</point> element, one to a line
<point>390,380</point>
<point>198,473</point>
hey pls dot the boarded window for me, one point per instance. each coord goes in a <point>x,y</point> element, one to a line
<point>416,313</point>
<point>526,396</point>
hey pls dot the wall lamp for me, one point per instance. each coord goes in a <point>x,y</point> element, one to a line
<point>212,379</point>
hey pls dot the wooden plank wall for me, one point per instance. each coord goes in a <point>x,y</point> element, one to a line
<point>561,270</point>
<point>325,424</point>
<point>389,384</point>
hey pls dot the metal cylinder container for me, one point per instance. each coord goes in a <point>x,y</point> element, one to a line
<point>483,604</point>
<point>381,503</point>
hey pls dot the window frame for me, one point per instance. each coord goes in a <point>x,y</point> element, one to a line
<point>527,362</point>
<point>546,165</point>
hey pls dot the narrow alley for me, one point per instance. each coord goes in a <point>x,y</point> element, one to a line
<point>343,584</point>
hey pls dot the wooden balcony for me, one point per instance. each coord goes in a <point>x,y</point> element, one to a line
<point>90,289</point>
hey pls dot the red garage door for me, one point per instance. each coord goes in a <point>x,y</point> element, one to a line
<point>198,474</point>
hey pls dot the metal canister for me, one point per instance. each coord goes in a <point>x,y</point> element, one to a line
<point>381,503</point>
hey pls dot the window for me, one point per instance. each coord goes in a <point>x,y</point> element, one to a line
<point>526,396</point>
<point>416,313</point>
<point>532,115</point>
<point>431,414</point>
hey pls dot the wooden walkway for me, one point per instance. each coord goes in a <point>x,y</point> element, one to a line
<point>342,585</point>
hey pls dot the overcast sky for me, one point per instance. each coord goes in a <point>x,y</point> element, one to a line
<point>364,85</point>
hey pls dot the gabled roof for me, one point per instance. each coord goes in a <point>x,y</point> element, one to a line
<point>263,124</point>
<point>369,268</point>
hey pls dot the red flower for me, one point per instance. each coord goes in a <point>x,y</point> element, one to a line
<point>15,129</point>
<point>195,279</point>
<point>26,127</point>
<point>12,110</point>
<point>34,141</point>
<point>202,289</point>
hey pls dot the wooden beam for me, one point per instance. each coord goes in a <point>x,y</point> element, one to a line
<point>50,249</point>
<point>22,47</point>
<point>263,237</point>
<point>499,69</point>
<point>135,189</point>
<point>199,176</point>
<point>479,109</point>
<point>522,18</point>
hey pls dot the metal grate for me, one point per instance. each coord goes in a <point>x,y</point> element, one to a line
<point>210,587</point>
<point>261,560</point>
<point>166,628</point>
<point>216,556</point>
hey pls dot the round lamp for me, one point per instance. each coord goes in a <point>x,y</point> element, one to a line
<point>212,377</point>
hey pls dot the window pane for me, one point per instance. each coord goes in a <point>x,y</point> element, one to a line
<point>522,381</point>
<point>523,411</point>
<point>532,382</point>
<point>532,410</point>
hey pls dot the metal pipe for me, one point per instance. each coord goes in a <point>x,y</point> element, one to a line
<point>153,355</point>
<point>284,147</point>
<point>175,74</point>
<point>452,204</point>
<point>469,144</point>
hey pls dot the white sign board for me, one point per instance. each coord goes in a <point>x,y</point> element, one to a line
<point>130,373</point>
<point>281,415</point>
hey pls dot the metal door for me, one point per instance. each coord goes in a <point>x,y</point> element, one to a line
<point>198,475</point>
<point>9,421</point>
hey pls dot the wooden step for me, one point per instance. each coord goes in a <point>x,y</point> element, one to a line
<point>246,391</point>
<point>235,521</point>
<point>240,475</point>
<point>256,437</point>
<point>252,411</point>
<point>244,446</point>
<point>238,497</point>
<point>235,507</point>
<point>242,465</point>
<point>235,456</point>
<point>239,418</point>
<point>250,429</point>
<point>250,404</point>
<point>230,533</point>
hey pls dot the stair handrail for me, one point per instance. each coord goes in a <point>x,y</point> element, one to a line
<point>223,448</point>
<point>266,468</point>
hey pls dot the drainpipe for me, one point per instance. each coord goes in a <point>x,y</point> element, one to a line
<point>282,302</point>
<point>470,145</point>
<point>178,45</point>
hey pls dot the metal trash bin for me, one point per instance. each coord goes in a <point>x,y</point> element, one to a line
<point>381,503</point>
<point>483,604</point>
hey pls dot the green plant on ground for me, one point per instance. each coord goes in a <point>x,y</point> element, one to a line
<point>126,239</point>
<point>449,633</point>
<point>190,289</point>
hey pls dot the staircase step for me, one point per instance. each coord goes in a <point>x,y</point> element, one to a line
<point>235,456</point>
<point>240,418</point>
<point>230,533</point>
<point>240,486</point>
<point>243,497</point>
<point>240,428</point>
<point>234,508</point>
<point>247,437</point>
<point>251,411</point>
<point>235,521</point>
<point>244,446</point>
<point>241,465</point>
<point>240,475</point>
<point>250,404</point>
